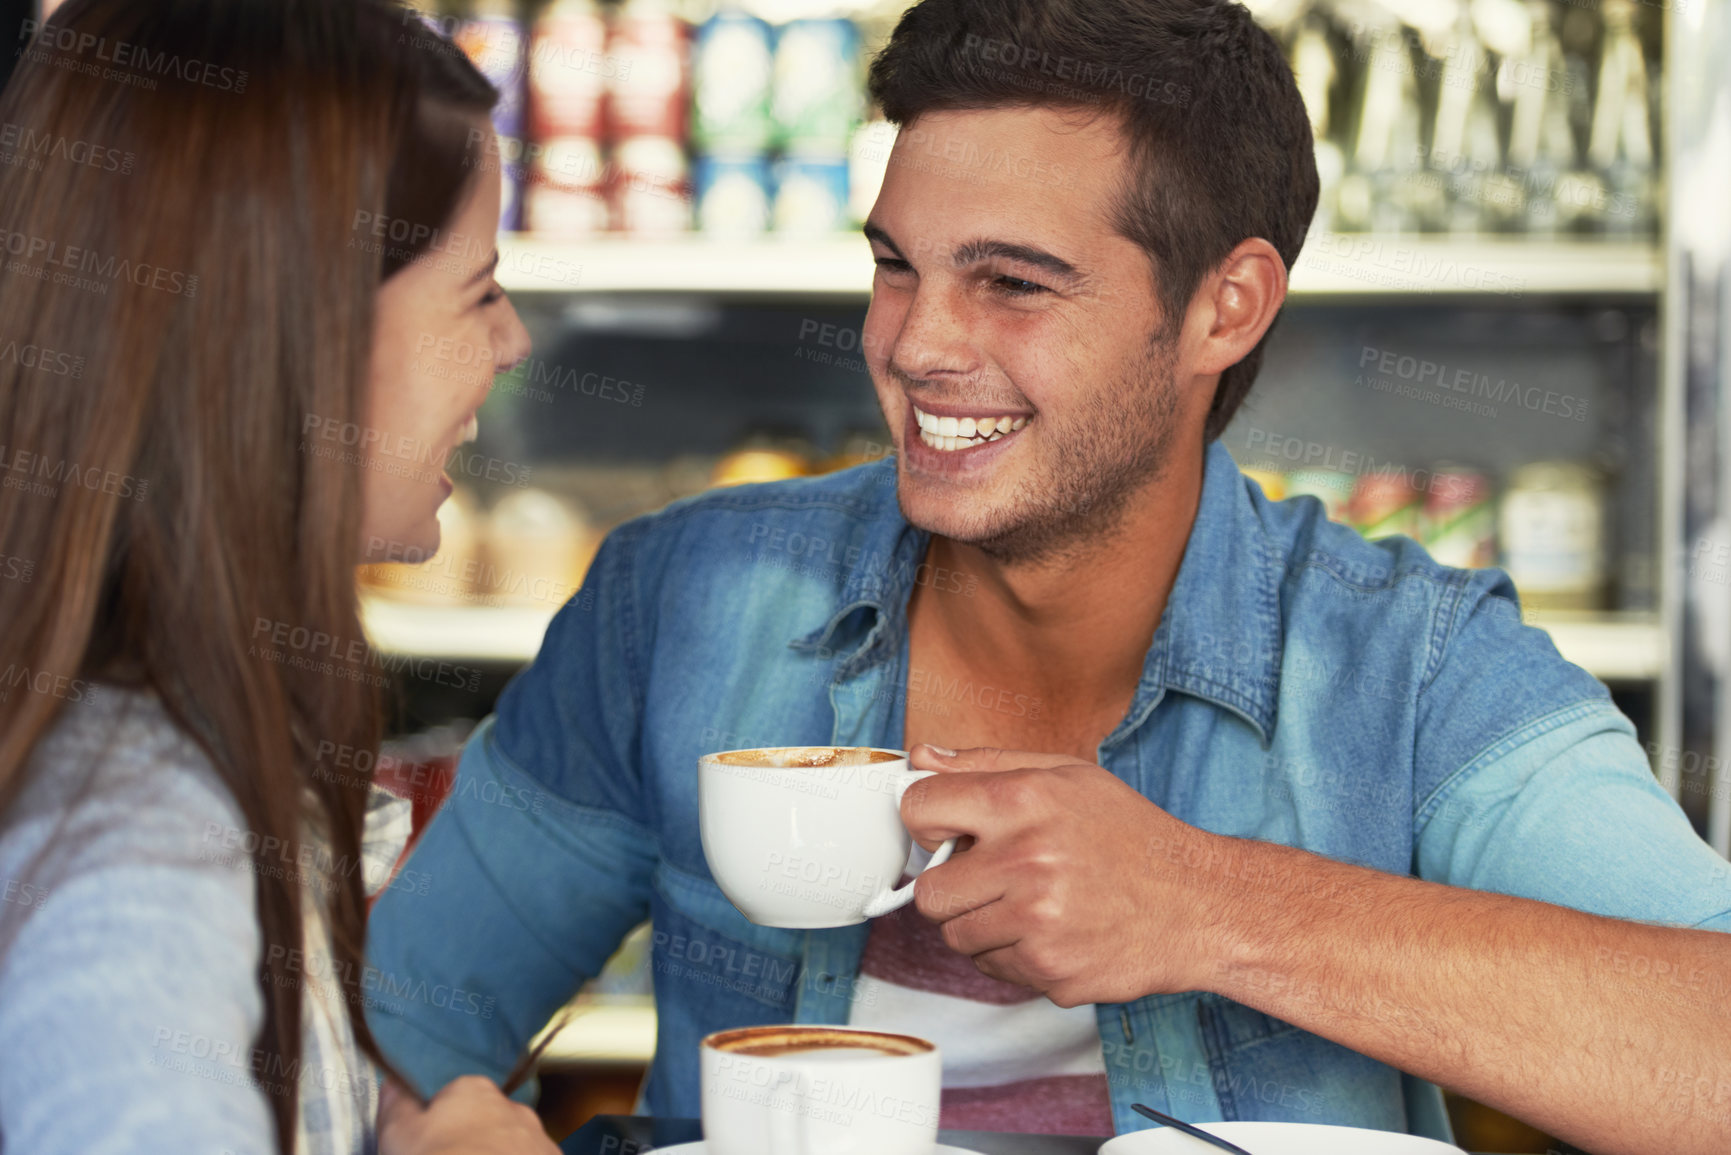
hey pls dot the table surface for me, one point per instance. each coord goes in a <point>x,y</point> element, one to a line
<point>632,1135</point>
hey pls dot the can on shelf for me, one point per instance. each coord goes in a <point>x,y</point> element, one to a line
<point>818,94</point>
<point>649,187</point>
<point>566,198</point>
<point>731,67</point>
<point>732,195</point>
<point>1384,504</point>
<point>1458,524</point>
<point>810,196</point>
<point>567,66</point>
<point>647,85</point>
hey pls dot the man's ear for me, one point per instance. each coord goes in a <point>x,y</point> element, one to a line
<point>1234,306</point>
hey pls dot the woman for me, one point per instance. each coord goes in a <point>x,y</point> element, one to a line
<point>229,229</point>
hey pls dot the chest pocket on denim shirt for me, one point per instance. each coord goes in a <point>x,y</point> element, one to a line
<point>728,965</point>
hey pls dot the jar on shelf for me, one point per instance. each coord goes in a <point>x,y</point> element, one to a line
<point>1553,535</point>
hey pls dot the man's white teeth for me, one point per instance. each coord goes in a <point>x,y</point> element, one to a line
<point>471,429</point>
<point>950,433</point>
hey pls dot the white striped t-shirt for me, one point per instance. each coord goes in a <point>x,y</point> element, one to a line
<point>1013,1060</point>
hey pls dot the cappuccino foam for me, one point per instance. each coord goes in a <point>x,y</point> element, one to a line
<point>807,757</point>
<point>828,1045</point>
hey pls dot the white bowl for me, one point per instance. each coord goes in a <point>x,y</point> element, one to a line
<point>1276,1139</point>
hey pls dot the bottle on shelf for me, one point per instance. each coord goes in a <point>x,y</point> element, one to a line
<point>1315,69</point>
<point>1542,150</point>
<point>1386,135</point>
<point>1620,148</point>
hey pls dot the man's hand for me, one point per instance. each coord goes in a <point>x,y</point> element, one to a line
<point>470,1116</point>
<point>1076,885</point>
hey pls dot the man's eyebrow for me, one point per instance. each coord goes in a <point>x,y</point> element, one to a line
<point>981,250</point>
<point>874,233</point>
<point>985,249</point>
<point>484,271</point>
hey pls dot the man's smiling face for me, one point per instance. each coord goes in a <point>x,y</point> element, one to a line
<point>1014,337</point>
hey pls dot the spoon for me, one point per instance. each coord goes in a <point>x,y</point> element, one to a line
<point>1181,1125</point>
<point>531,1055</point>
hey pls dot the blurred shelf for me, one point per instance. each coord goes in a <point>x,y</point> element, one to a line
<point>606,1032</point>
<point>1616,648</point>
<point>1611,647</point>
<point>1349,264</point>
<point>833,266</point>
<point>477,633</point>
<point>1331,265</point>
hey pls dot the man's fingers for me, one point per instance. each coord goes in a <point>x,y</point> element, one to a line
<point>1003,963</point>
<point>956,889</point>
<point>982,759</point>
<point>983,930</point>
<point>941,806</point>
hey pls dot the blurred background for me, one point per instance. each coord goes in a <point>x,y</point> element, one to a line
<point>1505,339</point>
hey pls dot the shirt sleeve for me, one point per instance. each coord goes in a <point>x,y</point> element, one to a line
<point>538,863</point>
<point>1538,788</point>
<point>129,1001</point>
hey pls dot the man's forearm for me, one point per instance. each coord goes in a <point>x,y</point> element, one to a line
<point>1613,1035</point>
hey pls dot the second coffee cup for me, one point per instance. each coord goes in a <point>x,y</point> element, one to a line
<point>809,1090</point>
<point>808,836</point>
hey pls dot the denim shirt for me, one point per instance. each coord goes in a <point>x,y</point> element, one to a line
<point>1304,687</point>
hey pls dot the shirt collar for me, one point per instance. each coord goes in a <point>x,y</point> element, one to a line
<point>872,601</point>
<point>1220,638</point>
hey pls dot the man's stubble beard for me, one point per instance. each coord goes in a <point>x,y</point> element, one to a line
<point>1114,446</point>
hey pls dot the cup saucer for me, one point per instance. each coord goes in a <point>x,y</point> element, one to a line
<point>698,1148</point>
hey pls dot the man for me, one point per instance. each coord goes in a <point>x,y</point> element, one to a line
<point>1259,728</point>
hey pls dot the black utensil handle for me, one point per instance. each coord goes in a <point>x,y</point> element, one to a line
<point>1188,1129</point>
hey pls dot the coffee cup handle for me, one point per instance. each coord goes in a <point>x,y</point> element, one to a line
<point>900,897</point>
<point>897,898</point>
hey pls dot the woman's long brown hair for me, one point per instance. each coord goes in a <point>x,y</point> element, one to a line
<point>187,279</point>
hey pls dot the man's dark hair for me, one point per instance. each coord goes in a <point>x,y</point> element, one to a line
<point>1220,145</point>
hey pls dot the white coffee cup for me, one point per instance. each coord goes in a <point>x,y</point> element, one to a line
<point>792,1090</point>
<point>808,836</point>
